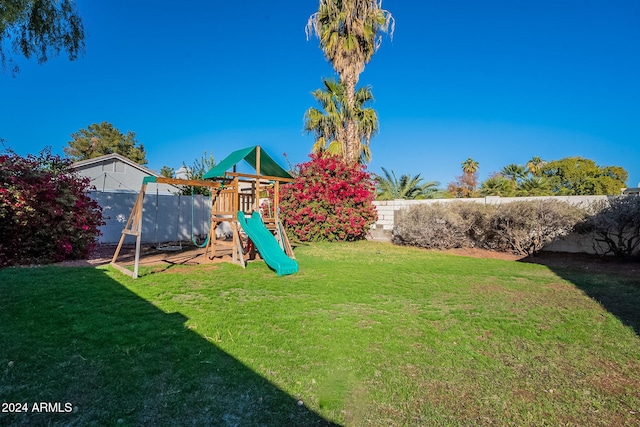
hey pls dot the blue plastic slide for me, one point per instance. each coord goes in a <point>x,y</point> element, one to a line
<point>267,245</point>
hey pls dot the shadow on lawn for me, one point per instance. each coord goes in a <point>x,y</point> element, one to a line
<point>77,336</point>
<point>612,283</point>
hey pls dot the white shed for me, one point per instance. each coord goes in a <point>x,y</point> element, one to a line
<point>113,172</point>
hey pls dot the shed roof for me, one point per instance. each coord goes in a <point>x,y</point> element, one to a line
<point>112,156</point>
<point>268,166</point>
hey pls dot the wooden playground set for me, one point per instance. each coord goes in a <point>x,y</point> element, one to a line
<point>235,200</point>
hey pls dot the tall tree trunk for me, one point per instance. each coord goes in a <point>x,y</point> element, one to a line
<point>351,147</point>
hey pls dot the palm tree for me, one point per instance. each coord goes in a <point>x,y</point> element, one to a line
<point>350,33</point>
<point>535,165</point>
<point>535,186</point>
<point>327,124</point>
<point>497,185</point>
<point>513,172</point>
<point>391,188</point>
<point>470,166</point>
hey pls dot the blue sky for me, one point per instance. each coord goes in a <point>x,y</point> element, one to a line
<point>500,81</point>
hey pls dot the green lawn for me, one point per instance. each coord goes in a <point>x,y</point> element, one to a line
<point>366,334</point>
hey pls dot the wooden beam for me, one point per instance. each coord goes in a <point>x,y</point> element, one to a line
<point>262,177</point>
<point>194,182</point>
<point>123,270</point>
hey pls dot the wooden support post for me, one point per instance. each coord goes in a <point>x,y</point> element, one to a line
<point>133,227</point>
<point>210,249</point>
<point>276,198</point>
<point>236,243</point>
<point>237,255</point>
<point>256,201</point>
<point>253,196</point>
<point>285,241</point>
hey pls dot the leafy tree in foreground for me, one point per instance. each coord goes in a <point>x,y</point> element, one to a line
<point>327,124</point>
<point>329,200</point>
<point>389,187</point>
<point>350,33</point>
<point>39,28</point>
<point>45,214</point>
<point>100,139</point>
<point>579,176</point>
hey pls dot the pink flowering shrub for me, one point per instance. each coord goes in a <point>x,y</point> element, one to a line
<point>329,200</point>
<point>45,215</point>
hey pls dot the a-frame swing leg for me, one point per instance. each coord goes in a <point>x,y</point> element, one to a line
<point>133,228</point>
<point>237,255</point>
<point>286,244</point>
<point>210,249</point>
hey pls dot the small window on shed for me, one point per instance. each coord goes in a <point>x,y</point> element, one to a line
<point>119,167</point>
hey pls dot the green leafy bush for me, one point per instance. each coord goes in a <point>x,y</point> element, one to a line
<point>45,215</point>
<point>329,200</point>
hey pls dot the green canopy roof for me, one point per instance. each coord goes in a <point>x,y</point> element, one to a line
<point>268,166</point>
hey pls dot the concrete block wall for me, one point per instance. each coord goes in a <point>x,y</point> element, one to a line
<point>574,243</point>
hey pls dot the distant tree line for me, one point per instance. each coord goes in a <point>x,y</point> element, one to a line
<point>570,176</point>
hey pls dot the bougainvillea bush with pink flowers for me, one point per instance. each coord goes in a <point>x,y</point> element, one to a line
<point>45,213</point>
<point>329,200</point>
